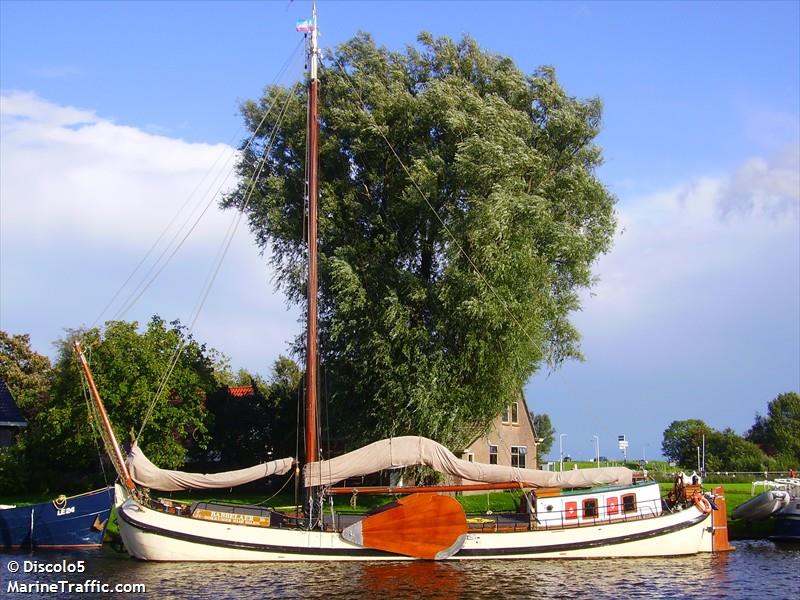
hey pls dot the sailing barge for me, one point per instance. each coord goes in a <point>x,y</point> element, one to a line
<point>591,513</point>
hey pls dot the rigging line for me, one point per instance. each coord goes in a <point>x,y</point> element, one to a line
<point>300,395</point>
<point>91,414</point>
<point>163,233</point>
<point>233,228</point>
<point>285,483</point>
<point>430,206</point>
<point>291,57</point>
<point>133,296</point>
<point>221,257</point>
<point>144,284</point>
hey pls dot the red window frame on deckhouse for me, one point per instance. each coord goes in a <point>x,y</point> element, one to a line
<point>629,503</point>
<point>591,510</point>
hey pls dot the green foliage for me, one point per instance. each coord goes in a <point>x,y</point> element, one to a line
<point>27,374</point>
<point>544,430</point>
<point>728,451</point>
<point>681,440</point>
<point>413,339</point>
<point>257,427</point>
<point>778,433</point>
<point>724,450</point>
<point>60,446</point>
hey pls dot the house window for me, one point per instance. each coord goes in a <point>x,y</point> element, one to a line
<point>468,456</point>
<point>629,502</point>
<point>518,456</point>
<point>492,454</point>
<point>590,508</point>
<point>511,414</point>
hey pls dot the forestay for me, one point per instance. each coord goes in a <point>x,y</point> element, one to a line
<point>413,450</point>
<point>146,474</point>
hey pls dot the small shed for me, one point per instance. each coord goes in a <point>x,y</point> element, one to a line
<point>11,419</point>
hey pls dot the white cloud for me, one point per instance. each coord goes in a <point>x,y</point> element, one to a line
<point>767,186</point>
<point>81,201</point>
<point>67,168</point>
<point>674,246</point>
<point>697,312</point>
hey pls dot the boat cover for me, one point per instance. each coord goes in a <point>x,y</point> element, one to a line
<point>412,450</point>
<point>146,474</point>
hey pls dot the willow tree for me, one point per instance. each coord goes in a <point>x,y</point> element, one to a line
<point>448,272</point>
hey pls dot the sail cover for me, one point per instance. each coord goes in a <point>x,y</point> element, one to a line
<point>146,474</point>
<point>412,450</point>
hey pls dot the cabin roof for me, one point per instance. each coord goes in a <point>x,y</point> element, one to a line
<point>10,415</point>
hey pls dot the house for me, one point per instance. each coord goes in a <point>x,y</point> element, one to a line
<point>511,439</point>
<point>11,419</point>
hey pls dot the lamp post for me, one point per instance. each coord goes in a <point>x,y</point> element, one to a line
<point>538,441</point>
<point>597,449</point>
<point>561,437</point>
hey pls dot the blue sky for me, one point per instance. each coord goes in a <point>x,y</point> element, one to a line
<point>113,111</point>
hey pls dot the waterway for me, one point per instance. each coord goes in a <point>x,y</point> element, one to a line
<point>757,569</point>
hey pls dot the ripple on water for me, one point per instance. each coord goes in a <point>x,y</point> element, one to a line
<point>756,569</point>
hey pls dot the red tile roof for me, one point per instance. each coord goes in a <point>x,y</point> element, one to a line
<point>241,391</point>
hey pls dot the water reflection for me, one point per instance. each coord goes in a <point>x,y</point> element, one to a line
<point>735,575</point>
<point>414,579</point>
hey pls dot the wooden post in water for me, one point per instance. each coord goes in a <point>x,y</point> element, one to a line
<point>719,522</point>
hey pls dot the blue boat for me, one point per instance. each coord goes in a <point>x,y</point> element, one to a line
<point>66,522</point>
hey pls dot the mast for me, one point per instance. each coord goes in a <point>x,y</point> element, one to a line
<point>312,342</point>
<point>118,460</point>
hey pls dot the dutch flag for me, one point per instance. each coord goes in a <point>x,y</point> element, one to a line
<point>305,26</point>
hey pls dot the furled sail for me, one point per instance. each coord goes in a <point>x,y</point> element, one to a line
<point>146,474</point>
<point>412,450</point>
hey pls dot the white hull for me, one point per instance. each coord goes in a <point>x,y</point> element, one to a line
<point>153,535</point>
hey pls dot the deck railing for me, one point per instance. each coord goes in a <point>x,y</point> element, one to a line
<point>645,509</point>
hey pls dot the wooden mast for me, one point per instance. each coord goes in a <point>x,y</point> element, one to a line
<point>119,460</point>
<point>311,342</point>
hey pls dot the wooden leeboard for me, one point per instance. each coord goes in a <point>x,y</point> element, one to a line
<point>421,525</point>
